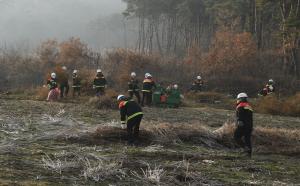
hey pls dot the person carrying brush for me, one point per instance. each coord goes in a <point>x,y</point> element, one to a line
<point>244,115</point>
<point>132,115</point>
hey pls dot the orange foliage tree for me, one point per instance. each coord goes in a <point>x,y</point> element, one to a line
<point>231,64</point>
<point>72,53</point>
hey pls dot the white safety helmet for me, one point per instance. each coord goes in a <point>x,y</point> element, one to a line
<point>75,71</point>
<point>175,86</point>
<point>133,74</point>
<point>99,70</point>
<point>147,75</point>
<point>64,68</point>
<point>199,77</point>
<point>53,75</point>
<point>242,95</point>
<point>271,81</point>
<point>120,97</point>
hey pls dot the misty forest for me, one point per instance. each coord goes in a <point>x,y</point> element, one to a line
<point>209,89</point>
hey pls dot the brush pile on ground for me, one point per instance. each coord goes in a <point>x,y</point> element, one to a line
<point>107,101</point>
<point>266,140</point>
<point>289,106</point>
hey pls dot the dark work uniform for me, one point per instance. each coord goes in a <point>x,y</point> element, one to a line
<point>76,84</point>
<point>269,89</point>
<point>244,114</point>
<point>133,89</point>
<point>197,85</point>
<point>148,85</point>
<point>52,84</point>
<point>132,113</point>
<point>64,84</point>
<point>99,84</point>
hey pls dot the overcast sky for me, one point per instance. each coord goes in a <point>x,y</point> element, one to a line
<point>32,21</point>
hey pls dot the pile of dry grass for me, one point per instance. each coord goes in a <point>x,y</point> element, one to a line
<point>41,93</point>
<point>291,105</point>
<point>274,140</point>
<point>211,98</point>
<point>268,105</point>
<point>166,133</point>
<point>163,133</point>
<point>272,105</point>
<point>265,140</point>
<point>107,101</point>
<point>206,97</point>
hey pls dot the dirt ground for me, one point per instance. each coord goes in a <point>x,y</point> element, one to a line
<point>74,144</point>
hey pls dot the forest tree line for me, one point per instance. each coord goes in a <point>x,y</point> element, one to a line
<point>171,27</point>
<point>235,45</point>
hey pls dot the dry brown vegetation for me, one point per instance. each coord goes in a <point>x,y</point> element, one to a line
<point>266,140</point>
<point>107,101</point>
<point>289,106</point>
<point>67,141</point>
<point>41,93</point>
<point>231,65</point>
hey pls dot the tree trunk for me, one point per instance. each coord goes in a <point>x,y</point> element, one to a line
<point>157,36</point>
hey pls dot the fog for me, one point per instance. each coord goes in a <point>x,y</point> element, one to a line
<point>29,22</point>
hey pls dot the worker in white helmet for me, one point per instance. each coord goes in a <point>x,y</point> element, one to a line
<point>76,83</point>
<point>270,86</point>
<point>197,85</point>
<point>131,115</point>
<point>63,81</point>
<point>244,114</point>
<point>268,89</point>
<point>52,85</point>
<point>148,86</point>
<point>99,83</point>
<point>133,87</point>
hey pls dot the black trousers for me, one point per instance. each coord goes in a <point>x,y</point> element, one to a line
<point>242,136</point>
<point>197,88</point>
<point>64,90</point>
<point>133,128</point>
<point>76,90</point>
<point>136,94</point>
<point>100,91</point>
<point>147,97</point>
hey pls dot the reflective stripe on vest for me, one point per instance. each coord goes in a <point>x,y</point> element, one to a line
<point>136,90</point>
<point>134,115</point>
<point>146,90</point>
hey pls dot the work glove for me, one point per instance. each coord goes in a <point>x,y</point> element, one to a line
<point>123,125</point>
